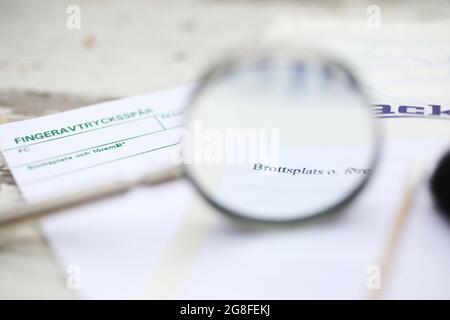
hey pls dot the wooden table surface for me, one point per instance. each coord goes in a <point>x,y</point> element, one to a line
<point>123,48</point>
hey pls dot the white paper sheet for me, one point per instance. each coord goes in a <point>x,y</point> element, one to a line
<point>329,259</point>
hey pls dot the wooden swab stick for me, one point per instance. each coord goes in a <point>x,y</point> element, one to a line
<point>412,184</point>
<point>27,213</point>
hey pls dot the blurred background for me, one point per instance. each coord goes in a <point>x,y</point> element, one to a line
<point>129,47</point>
<point>56,55</point>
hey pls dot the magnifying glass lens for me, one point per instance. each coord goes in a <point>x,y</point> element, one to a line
<point>276,138</point>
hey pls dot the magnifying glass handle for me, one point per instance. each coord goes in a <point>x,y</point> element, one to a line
<point>58,204</point>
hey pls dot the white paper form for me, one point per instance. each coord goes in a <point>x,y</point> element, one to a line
<point>115,242</point>
<point>83,147</point>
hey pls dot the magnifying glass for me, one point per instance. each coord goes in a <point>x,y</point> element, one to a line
<point>270,135</point>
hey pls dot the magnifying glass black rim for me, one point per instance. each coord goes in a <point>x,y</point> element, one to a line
<point>238,215</point>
